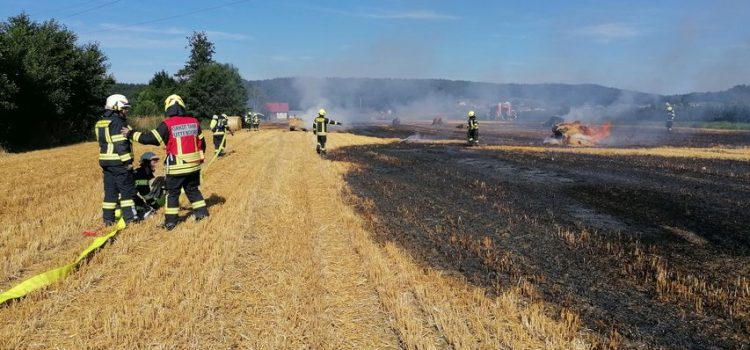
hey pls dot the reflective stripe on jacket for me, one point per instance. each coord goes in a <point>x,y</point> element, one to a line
<point>114,148</point>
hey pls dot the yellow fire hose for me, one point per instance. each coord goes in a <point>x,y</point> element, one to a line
<point>46,278</point>
<point>49,277</point>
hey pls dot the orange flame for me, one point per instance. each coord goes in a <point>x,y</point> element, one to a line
<point>598,134</point>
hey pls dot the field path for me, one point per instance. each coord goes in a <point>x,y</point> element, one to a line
<point>284,261</point>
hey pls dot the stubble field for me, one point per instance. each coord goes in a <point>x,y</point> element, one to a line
<point>389,244</point>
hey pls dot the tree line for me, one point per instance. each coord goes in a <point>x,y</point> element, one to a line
<point>52,90</point>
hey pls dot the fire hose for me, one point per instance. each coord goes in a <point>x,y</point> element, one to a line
<point>47,278</point>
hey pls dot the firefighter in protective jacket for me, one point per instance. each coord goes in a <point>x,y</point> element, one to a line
<point>116,160</point>
<point>473,133</point>
<point>151,188</point>
<point>670,116</point>
<point>320,128</point>
<point>256,122</point>
<point>219,129</point>
<point>182,137</point>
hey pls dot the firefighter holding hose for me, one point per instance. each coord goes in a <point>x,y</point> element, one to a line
<point>182,137</point>
<point>219,129</point>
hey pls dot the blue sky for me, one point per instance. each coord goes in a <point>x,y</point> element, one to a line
<point>653,46</point>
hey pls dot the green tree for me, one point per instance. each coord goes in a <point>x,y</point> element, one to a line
<point>51,90</point>
<point>216,88</point>
<point>201,54</point>
<point>148,100</point>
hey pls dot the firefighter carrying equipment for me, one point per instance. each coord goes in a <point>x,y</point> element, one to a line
<point>116,159</point>
<point>185,148</point>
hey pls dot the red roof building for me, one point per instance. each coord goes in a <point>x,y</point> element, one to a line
<point>277,110</point>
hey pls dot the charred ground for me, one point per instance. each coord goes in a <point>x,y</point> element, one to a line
<point>651,251</point>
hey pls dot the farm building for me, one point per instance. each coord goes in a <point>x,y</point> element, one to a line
<point>276,110</point>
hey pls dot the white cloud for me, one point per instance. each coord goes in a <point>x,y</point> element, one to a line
<point>608,32</point>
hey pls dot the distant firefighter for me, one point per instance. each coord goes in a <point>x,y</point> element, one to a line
<point>320,128</point>
<point>670,116</point>
<point>219,128</point>
<point>256,122</point>
<point>248,120</point>
<point>473,133</point>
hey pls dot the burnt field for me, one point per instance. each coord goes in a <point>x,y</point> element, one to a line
<point>508,133</point>
<point>650,249</point>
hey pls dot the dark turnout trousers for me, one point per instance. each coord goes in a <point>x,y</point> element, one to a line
<point>188,182</point>
<point>119,184</point>
<point>473,135</point>
<point>217,143</point>
<point>322,143</point>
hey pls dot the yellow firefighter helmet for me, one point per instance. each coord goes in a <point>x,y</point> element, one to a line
<point>171,100</point>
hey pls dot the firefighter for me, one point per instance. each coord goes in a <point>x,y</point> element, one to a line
<point>219,128</point>
<point>256,121</point>
<point>320,128</point>
<point>473,133</point>
<point>116,160</point>
<point>670,117</point>
<point>248,120</point>
<point>182,137</point>
<point>151,189</point>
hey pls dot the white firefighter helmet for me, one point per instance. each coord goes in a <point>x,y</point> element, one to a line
<point>224,115</point>
<point>171,100</point>
<point>117,102</point>
<point>471,114</point>
<point>322,112</point>
<point>215,117</point>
